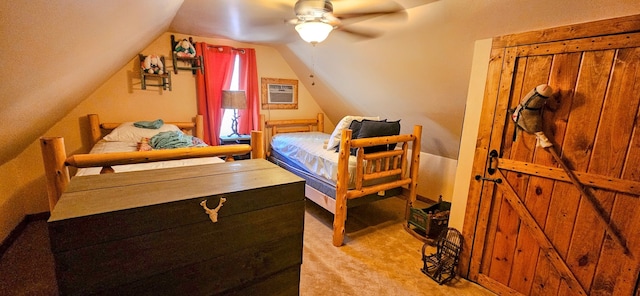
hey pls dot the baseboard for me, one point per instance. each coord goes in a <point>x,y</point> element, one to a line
<point>19,229</point>
<point>405,193</point>
<point>37,217</point>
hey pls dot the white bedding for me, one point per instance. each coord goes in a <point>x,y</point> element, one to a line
<point>306,149</point>
<point>106,147</point>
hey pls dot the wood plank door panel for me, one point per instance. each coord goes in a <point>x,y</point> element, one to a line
<point>613,156</point>
<point>563,72</point>
<point>536,235</point>
<point>529,73</point>
<point>478,208</point>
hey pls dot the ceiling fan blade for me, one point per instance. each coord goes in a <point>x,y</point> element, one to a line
<point>391,9</point>
<point>360,33</point>
<point>332,20</point>
<point>292,21</point>
<point>355,11</point>
<point>365,15</point>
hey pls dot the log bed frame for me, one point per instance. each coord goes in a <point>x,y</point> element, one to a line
<point>389,163</point>
<point>56,161</point>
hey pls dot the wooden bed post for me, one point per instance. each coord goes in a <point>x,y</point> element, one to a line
<point>415,166</point>
<point>321,122</point>
<point>257,144</point>
<point>342,185</point>
<point>94,128</point>
<point>199,130</point>
<point>56,172</point>
<point>265,136</point>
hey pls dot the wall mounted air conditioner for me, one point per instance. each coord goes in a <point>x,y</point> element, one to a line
<point>281,94</point>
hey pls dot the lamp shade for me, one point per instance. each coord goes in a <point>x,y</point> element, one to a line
<point>314,32</point>
<point>234,99</point>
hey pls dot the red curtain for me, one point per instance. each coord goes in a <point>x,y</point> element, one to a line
<point>248,81</point>
<point>218,71</point>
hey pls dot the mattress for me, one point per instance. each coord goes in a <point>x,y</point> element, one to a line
<point>306,151</point>
<point>108,147</point>
<point>304,155</point>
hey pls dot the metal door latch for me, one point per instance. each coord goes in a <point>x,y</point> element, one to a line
<point>491,166</point>
<point>496,180</point>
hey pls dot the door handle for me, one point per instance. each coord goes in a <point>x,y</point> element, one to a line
<point>496,180</point>
<point>492,166</point>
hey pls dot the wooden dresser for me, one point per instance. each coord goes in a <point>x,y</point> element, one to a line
<point>146,233</point>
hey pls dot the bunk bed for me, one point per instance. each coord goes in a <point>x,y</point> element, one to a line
<point>125,152</point>
<point>354,172</point>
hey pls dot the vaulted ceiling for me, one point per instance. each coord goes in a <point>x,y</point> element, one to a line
<point>58,51</point>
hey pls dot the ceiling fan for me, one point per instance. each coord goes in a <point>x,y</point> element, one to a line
<point>315,19</point>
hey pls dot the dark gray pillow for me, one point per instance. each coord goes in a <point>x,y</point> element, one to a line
<point>369,129</point>
<point>355,129</point>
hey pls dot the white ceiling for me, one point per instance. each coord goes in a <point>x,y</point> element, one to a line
<point>59,51</point>
<point>263,21</point>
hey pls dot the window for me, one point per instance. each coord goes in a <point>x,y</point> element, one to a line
<point>225,125</point>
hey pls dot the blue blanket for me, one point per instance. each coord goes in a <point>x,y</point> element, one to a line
<point>156,124</point>
<point>174,139</point>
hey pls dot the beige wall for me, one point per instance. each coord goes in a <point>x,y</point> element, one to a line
<point>435,177</point>
<point>475,96</point>
<point>120,99</point>
<point>23,190</point>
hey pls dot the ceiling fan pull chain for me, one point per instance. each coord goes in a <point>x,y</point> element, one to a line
<point>313,65</point>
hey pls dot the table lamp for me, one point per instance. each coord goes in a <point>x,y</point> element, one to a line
<point>234,99</point>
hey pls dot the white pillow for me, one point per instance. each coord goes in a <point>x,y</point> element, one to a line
<point>127,132</point>
<point>345,122</point>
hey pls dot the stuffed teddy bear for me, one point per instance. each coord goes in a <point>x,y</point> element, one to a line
<point>153,65</point>
<point>185,49</point>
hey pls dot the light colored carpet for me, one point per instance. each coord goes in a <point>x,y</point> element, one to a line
<point>378,258</point>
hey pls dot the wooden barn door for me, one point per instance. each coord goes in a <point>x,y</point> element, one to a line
<point>528,229</point>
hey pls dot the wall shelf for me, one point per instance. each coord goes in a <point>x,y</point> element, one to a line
<point>162,80</point>
<point>195,63</point>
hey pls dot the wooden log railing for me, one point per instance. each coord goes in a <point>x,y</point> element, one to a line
<point>392,167</point>
<point>274,127</point>
<point>195,127</point>
<point>317,124</point>
<point>374,163</point>
<point>55,171</point>
<point>56,161</point>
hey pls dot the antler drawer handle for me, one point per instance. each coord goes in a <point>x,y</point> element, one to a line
<point>213,213</point>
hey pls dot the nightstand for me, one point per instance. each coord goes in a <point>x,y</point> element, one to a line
<point>241,139</point>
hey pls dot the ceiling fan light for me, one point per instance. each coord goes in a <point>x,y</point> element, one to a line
<point>314,32</point>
